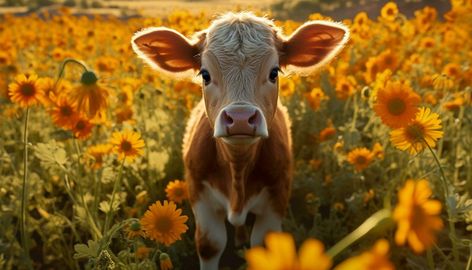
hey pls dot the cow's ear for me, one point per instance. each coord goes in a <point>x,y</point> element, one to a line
<point>313,44</point>
<point>166,49</point>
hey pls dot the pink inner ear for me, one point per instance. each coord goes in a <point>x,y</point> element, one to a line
<point>311,44</point>
<point>168,50</point>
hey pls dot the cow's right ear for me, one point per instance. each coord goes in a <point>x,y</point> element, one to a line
<point>166,49</point>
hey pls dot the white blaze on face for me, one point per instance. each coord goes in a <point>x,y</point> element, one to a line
<point>239,55</point>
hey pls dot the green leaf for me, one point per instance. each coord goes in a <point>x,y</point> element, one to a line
<point>86,251</point>
<point>51,154</point>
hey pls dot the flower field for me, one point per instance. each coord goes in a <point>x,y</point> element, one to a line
<point>91,137</point>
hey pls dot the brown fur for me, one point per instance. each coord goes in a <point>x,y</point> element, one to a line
<point>267,163</point>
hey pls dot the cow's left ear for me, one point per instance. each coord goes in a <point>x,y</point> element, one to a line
<point>313,44</point>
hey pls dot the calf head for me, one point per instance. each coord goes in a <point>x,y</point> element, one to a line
<point>239,57</point>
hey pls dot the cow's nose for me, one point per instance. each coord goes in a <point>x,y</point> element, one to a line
<point>241,120</point>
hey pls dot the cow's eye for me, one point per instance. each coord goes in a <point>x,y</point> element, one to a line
<point>205,76</point>
<point>274,73</point>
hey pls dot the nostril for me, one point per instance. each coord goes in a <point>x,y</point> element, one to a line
<point>227,119</point>
<point>252,120</point>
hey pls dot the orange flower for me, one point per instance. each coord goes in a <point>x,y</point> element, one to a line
<point>26,90</point>
<point>64,114</point>
<point>90,97</point>
<point>417,216</point>
<point>280,254</point>
<point>396,104</point>
<point>177,191</point>
<point>82,128</point>
<point>374,259</point>
<point>327,133</point>
<point>164,222</point>
<point>360,158</point>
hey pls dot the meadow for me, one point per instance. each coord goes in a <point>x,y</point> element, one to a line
<point>91,137</point>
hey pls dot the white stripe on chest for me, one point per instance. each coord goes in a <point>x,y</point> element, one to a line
<point>215,200</point>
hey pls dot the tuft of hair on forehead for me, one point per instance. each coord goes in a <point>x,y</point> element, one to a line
<point>241,39</point>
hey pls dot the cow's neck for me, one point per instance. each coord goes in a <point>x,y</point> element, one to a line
<point>240,160</point>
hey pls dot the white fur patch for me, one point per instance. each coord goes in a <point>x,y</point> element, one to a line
<point>256,204</point>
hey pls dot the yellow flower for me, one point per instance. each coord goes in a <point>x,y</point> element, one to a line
<point>372,68</point>
<point>388,60</point>
<point>128,145</point>
<point>280,254</point>
<point>427,43</point>
<point>177,191</point>
<point>164,262</point>
<point>315,97</point>
<point>164,222</point>
<point>417,216</point>
<point>375,259</point>
<point>454,104</point>
<point>389,12</point>
<point>377,151</point>
<point>97,152</point>
<point>360,158</point>
<point>345,87</point>
<point>287,86</point>
<point>442,82</point>
<point>396,104</point>
<point>26,90</point>
<point>361,19</point>
<point>424,129</point>
<point>452,70</point>
<point>124,113</point>
<point>89,97</point>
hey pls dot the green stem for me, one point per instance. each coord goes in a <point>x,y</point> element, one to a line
<point>96,194</point>
<point>95,231</point>
<point>356,109</point>
<point>469,261</point>
<point>63,67</point>
<point>452,228</point>
<point>358,233</point>
<point>429,257</point>
<point>109,215</point>
<point>24,194</point>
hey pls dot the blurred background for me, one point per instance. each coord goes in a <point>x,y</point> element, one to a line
<point>279,9</point>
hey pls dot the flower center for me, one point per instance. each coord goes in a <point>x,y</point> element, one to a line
<point>390,12</point>
<point>361,160</point>
<point>135,226</point>
<point>163,224</point>
<point>415,132</point>
<point>396,106</point>
<point>418,217</point>
<point>126,146</point>
<point>345,88</point>
<point>178,192</point>
<point>27,90</point>
<point>80,125</point>
<point>66,111</point>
